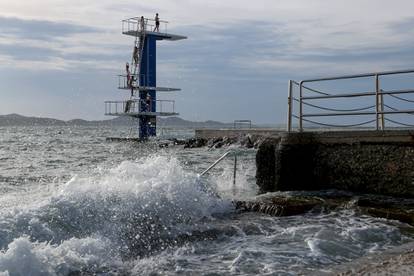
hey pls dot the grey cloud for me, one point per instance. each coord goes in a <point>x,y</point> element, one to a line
<point>40,29</point>
<point>213,48</point>
<point>21,52</point>
<point>404,25</point>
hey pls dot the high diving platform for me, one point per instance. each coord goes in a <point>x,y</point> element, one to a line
<point>132,27</point>
<point>140,75</point>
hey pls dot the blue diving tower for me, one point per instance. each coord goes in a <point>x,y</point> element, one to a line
<point>140,77</point>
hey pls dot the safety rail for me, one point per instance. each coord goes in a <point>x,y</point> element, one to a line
<point>242,122</point>
<point>219,160</point>
<point>134,24</point>
<point>376,106</point>
<point>126,81</point>
<point>138,106</point>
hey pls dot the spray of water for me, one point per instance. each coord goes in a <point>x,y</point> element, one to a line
<point>107,218</point>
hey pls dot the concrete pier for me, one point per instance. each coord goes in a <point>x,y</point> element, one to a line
<point>379,162</point>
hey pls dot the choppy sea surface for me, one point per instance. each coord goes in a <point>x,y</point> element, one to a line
<point>73,204</point>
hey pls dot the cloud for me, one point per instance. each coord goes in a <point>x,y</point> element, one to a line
<point>28,43</point>
<point>22,52</point>
<point>40,29</point>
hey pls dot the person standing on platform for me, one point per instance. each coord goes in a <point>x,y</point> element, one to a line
<point>142,23</point>
<point>157,23</point>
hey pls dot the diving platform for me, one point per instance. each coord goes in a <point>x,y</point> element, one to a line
<point>132,27</point>
<point>159,35</point>
<point>125,84</point>
<point>148,88</point>
<point>141,114</point>
<point>140,108</point>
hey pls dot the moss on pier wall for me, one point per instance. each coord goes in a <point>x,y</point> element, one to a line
<point>305,161</point>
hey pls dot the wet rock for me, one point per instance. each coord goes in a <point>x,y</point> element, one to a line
<point>163,145</point>
<point>247,141</point>
<point>219,142</point>
<point>218,145</point>
<point>258,142</point>
<point>195,143</point>
<point>390,208</point>
<point>177,142</point>
<point>212,142</point>
<point>401,209</point>
<point>280,206</point>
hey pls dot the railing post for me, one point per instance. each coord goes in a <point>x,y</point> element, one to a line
<point>382,110</point>
<point>234,173</point>
<point>377,102</point>
<point>300,106</point>
<point>289,115</point>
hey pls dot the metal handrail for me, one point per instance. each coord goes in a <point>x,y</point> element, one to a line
<point>218,161</point>
<point>136,78</point>
<point>133,24</point>
<point>136,106</point>
<point>378,93</point>
<point>242,122</point>
<point>365,75</point>
<point>215,163</point>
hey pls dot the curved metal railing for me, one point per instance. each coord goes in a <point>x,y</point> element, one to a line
<point>377,110</point>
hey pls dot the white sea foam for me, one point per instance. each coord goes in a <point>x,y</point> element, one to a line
<point>24,257</point>
<point>127,211</point>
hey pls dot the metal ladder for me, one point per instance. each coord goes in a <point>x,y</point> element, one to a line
<point>139,44</point>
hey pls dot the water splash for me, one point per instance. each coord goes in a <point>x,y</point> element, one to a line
<point>133,209</point>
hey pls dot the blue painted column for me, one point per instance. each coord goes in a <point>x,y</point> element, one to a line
<point>148,77</point>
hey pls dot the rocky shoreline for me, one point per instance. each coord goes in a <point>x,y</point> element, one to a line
<point>219,142</point>
<point>298,202</point>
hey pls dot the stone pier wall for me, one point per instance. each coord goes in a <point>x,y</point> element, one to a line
<point>379,162</point>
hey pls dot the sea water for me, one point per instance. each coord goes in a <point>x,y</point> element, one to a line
<point>73,204</point>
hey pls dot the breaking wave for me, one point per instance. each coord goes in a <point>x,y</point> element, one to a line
<point>97,223</point>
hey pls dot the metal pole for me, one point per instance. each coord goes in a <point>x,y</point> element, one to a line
<point>234,173</point>
<point>382,110</point>
<point>215,163</point>
<point>300,106</point>
<point>377,101</point>
<point>289,115</point>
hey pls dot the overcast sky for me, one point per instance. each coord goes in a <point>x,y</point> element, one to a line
<point>60,58</point>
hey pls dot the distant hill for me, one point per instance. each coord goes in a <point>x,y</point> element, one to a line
<point>19,120</point>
